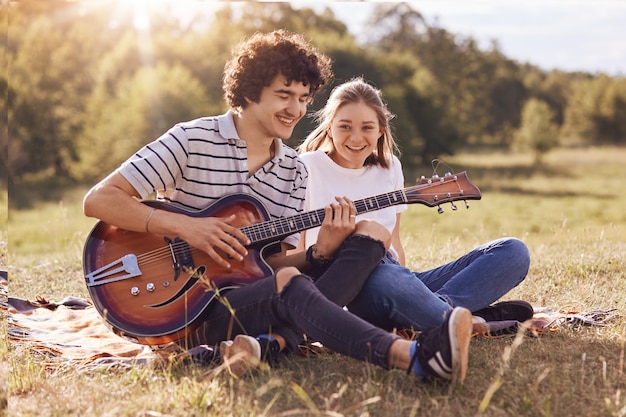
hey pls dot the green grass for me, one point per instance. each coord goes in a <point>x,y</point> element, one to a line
<point>571,214</point>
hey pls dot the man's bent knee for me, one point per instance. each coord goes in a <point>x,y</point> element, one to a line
<point>284,275</point>
<point>374,230</point>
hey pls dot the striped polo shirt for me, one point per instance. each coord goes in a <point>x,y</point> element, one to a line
<point>196,163</point>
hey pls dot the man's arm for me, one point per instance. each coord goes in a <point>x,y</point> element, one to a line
<point>115,201</point>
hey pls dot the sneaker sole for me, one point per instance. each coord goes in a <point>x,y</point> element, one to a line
<point>460,333</point>
<point>240,355</point>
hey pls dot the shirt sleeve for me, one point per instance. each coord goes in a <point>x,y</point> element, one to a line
<point>157,166</point>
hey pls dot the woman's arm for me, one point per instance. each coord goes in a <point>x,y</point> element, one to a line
<point>397,243</point>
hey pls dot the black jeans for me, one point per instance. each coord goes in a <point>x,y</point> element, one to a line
<point>302,308</point>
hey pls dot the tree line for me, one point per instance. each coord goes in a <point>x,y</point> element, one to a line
<point>88,83</point>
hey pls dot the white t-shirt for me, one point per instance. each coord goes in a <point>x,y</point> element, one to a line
<point>327,180</point>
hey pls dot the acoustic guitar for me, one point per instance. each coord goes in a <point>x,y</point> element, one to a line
<point>154,289</point>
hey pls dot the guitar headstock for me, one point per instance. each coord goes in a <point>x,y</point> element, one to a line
<point>437,190</point>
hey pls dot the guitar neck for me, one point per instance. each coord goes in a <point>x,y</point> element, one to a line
<point>428,191</point>
<point>273,230</point>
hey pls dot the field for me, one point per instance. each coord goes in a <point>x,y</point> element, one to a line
<point>570,212</point>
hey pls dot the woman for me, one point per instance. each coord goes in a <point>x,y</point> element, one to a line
<point>351,154</point>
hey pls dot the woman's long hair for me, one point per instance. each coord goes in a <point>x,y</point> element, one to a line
<point>353,91</point>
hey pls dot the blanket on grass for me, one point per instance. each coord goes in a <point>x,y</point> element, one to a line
<point>72,333</point>
<point>69,333</point>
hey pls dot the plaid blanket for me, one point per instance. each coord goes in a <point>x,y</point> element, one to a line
<point>68,333</point>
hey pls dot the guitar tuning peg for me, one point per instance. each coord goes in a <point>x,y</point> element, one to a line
<point>454,207</point>
<point>466,204</point>
<point>439,209</point>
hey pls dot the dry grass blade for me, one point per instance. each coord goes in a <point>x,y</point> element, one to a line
<point>507,354</point>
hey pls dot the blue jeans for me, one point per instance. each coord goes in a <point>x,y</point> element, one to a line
<point>301,308</point>
<point>396,297</point>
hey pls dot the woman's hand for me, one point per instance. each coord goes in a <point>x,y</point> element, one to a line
<point>339,223</point>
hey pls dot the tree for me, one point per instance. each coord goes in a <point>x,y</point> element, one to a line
<point>595,110</point>
<point>51,51</point>
<point>142,108</point>
<point>472,95</point>
<point>41,104</point>
<point>80,76</point>
<point>538,131</point>
<point>505,96</point>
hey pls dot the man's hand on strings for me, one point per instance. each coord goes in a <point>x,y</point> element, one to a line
<point>217,237</point>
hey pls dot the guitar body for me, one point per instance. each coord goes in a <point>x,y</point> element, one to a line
<point>158,298</point>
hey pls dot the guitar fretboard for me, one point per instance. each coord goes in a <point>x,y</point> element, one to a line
<point>277,229</point>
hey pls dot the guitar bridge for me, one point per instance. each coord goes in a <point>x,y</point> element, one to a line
<point>124,268</point>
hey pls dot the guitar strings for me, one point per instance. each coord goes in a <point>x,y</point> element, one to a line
<point>266,230</point>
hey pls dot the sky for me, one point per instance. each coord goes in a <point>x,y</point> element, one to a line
<point>570,35</point>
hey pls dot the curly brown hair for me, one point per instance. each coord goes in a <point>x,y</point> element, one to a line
<point>256,61</point>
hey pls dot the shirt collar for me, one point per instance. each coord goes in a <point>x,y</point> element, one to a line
<point>227,129</point>
<point>226,125</point>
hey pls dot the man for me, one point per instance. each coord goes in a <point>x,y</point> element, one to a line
<point>268,84</point>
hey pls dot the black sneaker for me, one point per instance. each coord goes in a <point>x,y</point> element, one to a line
<point>203,355</point>
<point>497,328</point>
<point>507,310</point>
<point>443,351</point>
